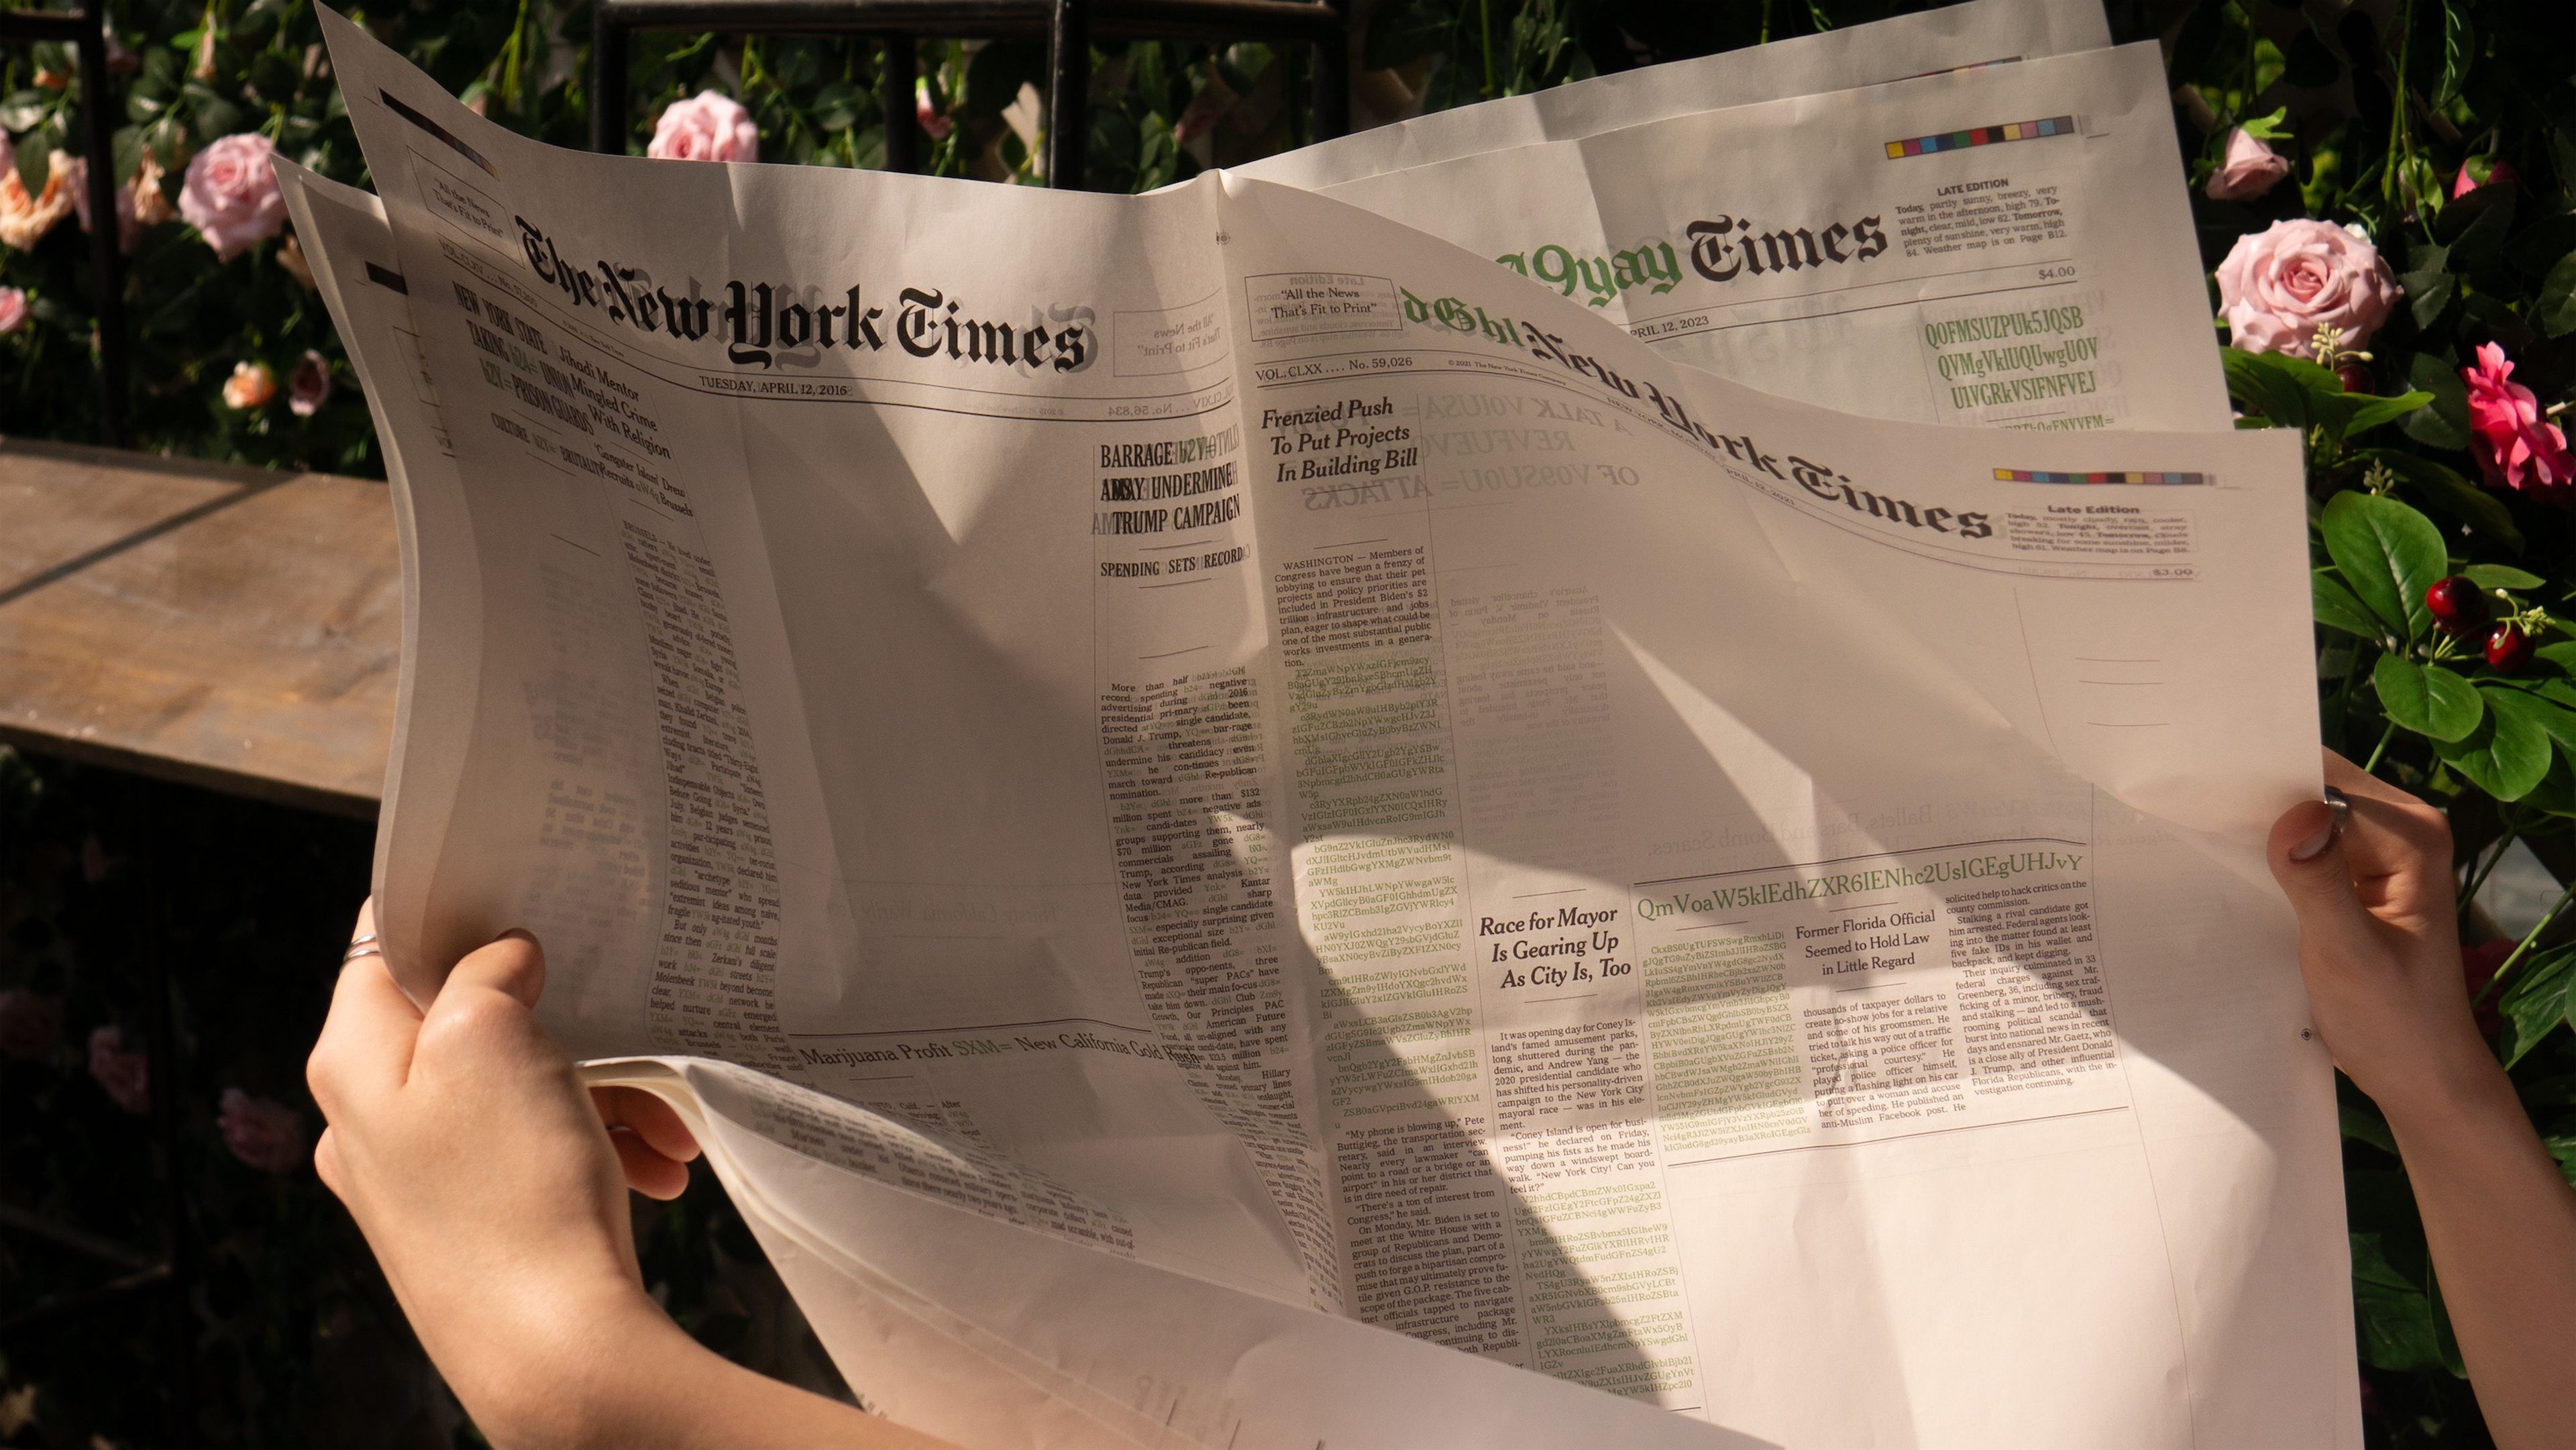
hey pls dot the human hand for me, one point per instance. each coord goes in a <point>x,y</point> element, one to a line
<point>2379,942</point>
<point>491,1183</point>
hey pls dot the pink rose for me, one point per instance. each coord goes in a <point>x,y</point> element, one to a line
<point>2249,170</point>
<point>309,386</point>
<point>230,194</point>
<point>251,386</point>
<point>711,127</point>
<point>933,124</point>
<point>265,1135</point>
<point>126,1077</point>
<point>31,1024</point>
<point>2514,441</point>
<point>13,310</point>
<point>2279,285</point>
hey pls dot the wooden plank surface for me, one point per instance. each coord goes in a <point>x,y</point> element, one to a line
<point>229,627</point>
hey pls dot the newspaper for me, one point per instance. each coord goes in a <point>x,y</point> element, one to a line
<point>2005,247</point>
<point>1197,838</point>
<point>1979,33</point>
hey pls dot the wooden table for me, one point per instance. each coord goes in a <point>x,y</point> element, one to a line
<point>229,627</point>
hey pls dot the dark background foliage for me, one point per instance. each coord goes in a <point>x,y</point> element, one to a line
<point>284,1332</point>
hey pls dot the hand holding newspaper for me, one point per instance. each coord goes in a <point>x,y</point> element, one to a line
<point>1207,801</point>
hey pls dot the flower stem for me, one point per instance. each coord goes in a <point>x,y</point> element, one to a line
<point>2524,949</point>
<point>2371,765</point>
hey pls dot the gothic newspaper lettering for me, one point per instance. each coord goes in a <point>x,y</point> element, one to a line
<point>1239,827</point>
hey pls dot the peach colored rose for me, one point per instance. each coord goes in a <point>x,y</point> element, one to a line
<point>265,1135</point>
<point>230,194</point>
<point>126,1077</point>
<point>251,386</point>
<point>13,310</point>
<point>309,386</point>
<point>2279,285</point>
<point>2516,447</point>
<point>24,220</point>
<point>2249,169</point>
<point>708,127</point>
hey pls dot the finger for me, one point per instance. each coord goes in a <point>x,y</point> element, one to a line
<point>326,1162</point>
<point>2397,847</point>
<point>367,1040</point>
<point>513,964</point>
<point>652,1119</point>
<point>2307,859</point>
<point>648,1172</point>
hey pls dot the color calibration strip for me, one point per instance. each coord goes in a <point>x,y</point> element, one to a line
<point>1981,136</point>
<point>2041,475</point>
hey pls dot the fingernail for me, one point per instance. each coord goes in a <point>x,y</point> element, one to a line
<point>2307,850</point>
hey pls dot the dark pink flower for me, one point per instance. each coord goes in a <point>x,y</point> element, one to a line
<point>265,1135</point>
<point>13,310</point>
<point>2516,447</point>
<point>309,386</point>
<point>2500,174</point>
<point>31,1024</point>
<point>126,1077</point>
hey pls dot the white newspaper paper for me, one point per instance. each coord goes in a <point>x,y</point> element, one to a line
<point>1149,874</point>
<point>2007,246</point>
<point>1979,33</point>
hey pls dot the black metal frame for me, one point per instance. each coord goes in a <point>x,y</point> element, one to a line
<point>1068,25</point>
<point>86,33</point>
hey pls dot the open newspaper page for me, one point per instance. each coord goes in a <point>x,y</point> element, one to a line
<point>1142,874</point>
<point>2007,246</point>
<point>1978,33</point>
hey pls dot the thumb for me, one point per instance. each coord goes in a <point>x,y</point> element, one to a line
<point>2306,855</point>
<point>513,965</point>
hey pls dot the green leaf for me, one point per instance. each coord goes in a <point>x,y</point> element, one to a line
<point>2267,128</point>
<point>2501,576</point>
<point>2505,756</point>
<point>2473,228</point>
<point>2389,554</point>
<point>2555,308</point>
<point>2443,423</point>
<point>2337,608</point>
<point>2369,412</point>
<point>2431,701</point>
<point>2542,705</point>
<point>2429,286</point>
<point>2364,1126</point>
<point>2537,1003</point>
<point>2444,489</point>
<point>2459,50</point>
<point>2270,384</point>
<point>2392,1310</point>
<point>35,153</point>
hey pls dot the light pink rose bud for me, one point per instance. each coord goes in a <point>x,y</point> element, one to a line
<point>2249,170</point>
<point>13,310</point>
<point>31,1024</point>
<point>709,127</point>
<point>230,194</point>
<point>251,386</point>
<point>265,1135</point>
<point>126,1077</point>
<point>2279,285</point>
<point>309,386</point>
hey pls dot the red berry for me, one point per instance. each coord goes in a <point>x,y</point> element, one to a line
<point>2457,607</point>
<point>2509,649</point>
<point>2354,377</point>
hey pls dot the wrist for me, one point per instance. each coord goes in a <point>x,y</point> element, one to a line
<point>591,1369</point>
<point>2456,1084</point>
